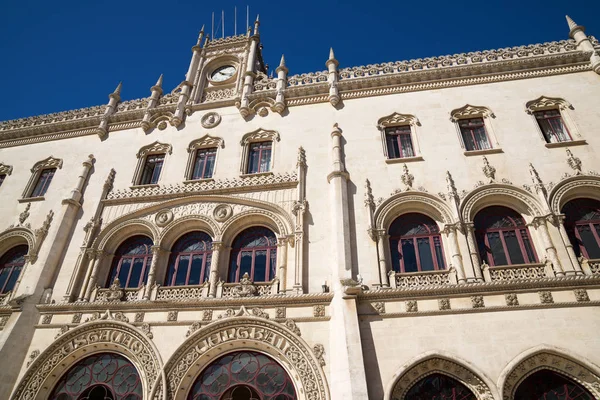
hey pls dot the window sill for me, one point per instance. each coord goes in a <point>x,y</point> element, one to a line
<point>469,153</point>
<point>565,144</point>
<point>403,160</point>
<point>30,199</point>
<point>198,180</point>
<point>152,185</point>
<point>256,174</point>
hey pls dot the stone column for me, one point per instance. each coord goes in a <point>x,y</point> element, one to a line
<point>473,251</point>
<point>576,267</point>
<point>95,266</point>
<point>90,255</point>
<point>156,251</point>
<point>282,262</point>
<point>540,224</point>
<point>214,268</point>
<point>382,238</point>
<point>450,231</point>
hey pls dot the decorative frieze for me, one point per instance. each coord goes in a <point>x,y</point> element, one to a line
<point>412,306</point>
<point>511,299</point>
<point>477,301</point>
<point>76,318</point>
<point>280,312</point>
<point>319,351</point>
<point>581,295</point>
<point>379,306</point>
<point>172,316</point>
<point>546,297</point>
<point>443,304</point>
<point>319,310</point>
<point>46,319</point>
<point>139,317</point>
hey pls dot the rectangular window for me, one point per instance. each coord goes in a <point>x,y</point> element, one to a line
<point>259,159</point>
<point>152,169</point>
<point>474,134</point>
<point>2,177</point>
<point>552,126</point>
<point>43,182</point>
<point>204,163</point>
<point>399,142</point>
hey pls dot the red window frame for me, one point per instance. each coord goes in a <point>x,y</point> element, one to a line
<point>201,159</point>
<point>7,262</point>
<point>574,211</point>
<point>549,116</point>
<point>258,151</point>
<point>43,182</point>
<point>240,246</point>
<point>432,235</point>
<point>467,129</point>
<point>394,136</point>
<point>120,256</point>
<point>518,228</point>
<point>152,168</point>
<point>183,243</point>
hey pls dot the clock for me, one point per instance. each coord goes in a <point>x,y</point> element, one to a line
<point>223,73</point>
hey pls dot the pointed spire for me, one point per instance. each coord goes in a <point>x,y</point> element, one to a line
<point>282,62</point>
<point>202,29</point>
<point>118,89</point>
<point>256,24</point>
<point>159,81</point>
<point>572,24</point>
<point>331,55</point>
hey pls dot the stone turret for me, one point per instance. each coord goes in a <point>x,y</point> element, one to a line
<point>186,85</point>
<point>250,74</point>
<point>156,91</point>
<point>577,33</point>
<point>332,64</point>
<point>113,99</point>
<point>281,85</point>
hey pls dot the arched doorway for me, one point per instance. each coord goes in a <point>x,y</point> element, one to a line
<point>439,387</point>
<point>550,385</point>
<point>104,376</point>
<point>244,375</point>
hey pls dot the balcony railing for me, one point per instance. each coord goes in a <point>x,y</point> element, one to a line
<point>413,280</point>
<point>524,272</point>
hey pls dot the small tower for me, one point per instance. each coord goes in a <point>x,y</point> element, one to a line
<point>113,99</point>
<point>577,33</point>
<point>187,84</point>
<point>250,73</point>
<point>332,64</point>
<point>281,84</point>
<point>156,91</point>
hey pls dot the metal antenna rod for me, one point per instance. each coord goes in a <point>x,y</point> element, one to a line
<point>234,21</point>
<point>247,18</point>
<point>222,23</point>
<point>212,31</point>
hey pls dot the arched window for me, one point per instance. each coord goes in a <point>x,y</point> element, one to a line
<point>547,384</point>
<point>189,263</point>
<point>132,262</point>
<point>246,375</point>
<point>11,264</point>
<point>416,244</point>
<point>440,387</point>
<point>582,223</point>
<point>103,376</point>
<point>503,237</point>
<point>254,251</point>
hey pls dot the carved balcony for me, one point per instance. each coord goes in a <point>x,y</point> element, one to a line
<point>4,298</point>
<point>414,280</point>
<point>118,294</point>
<point>181,293</point>
<point>522,272</point>
<point>246,288</point>
<point>590,267</point>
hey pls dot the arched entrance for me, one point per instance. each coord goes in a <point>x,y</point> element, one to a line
<point>439,387</point>
<point>104,376</point>
<point>243,375</point>
<point>546,384</point>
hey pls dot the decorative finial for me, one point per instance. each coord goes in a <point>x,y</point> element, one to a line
<point>331,55</point>
<point>535,177</point>
<point>369,200</point>
<point>572,24</point>
<point>301,157</point>
<point>488,170</point>
<point>336,129</point>
<point>202,29</point>
<point>159,81</point>
<point>25,214</point>
<point>407,177</point>
<point>574,162</point>
<point>451,186</point>
<point>256,22</point>
<point>118,89</point>
<point>282,62</point>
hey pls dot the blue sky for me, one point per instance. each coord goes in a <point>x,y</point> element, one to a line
<point>65,54</point>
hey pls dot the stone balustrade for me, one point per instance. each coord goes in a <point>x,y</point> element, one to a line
<point>413,280</point>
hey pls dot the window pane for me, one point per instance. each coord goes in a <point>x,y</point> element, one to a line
<point>260,266</point>
<point>233,267</point>
<point>589,241</point>
<point>395,254</point>
<point>13,279</point>
<point>514,250</point>
<point>43,182</point>
<point>439,254</point>
<point>496,248</point>
<point>409,256</point>
<point>124,271</point>
<point>425,255</point>
<point>210,164</point>
<point>527,244</point>
<point>182,270</point>
<point>156,172</point>
<point>169,280</point>
<point>546,131</point>
<point>196,270</point>
<point>468,139</point>
<point>136,273</point>
<point>273,264</point>
<point>265,160</point>
<point>481,139</point>
<point>407,148</point>
<point>4,273</point>
<point>392,146</point>
<point>147,174</point>
<point>199,166</point>
<point>253,159</point>
<point>246,264</point>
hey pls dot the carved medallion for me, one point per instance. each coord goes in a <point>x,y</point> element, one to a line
<point>222,212</point>
<point>163,217</point>
<point>210,120</point>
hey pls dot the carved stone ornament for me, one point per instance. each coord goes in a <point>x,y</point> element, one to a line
<point>573,162</point>
<point>511,299</point>
<point>172,316</point>
<point>259,135</point>
<point>207,315</point>
<point>319,310</point>
<point>5,169</point>
<point>153,148</point>
<point>259,312</point>
<point>280,312</point>
<point>115,292</point>
<point>412,306</point>
<point>291,325</point>
<point>49,162</point>
<point>469,111</point>
<point>581,295</point>
<point>204,142</point>
<point>222,212</point>
<point>193,328</point>
<point>163,217</point>
<point>139,317</point>
<point>319,351</point>
<point>546,297</point>
<point>407,178</point>
<point>63,329</point>
<point>547,103</point>
<point>32,357</point>
<point>443,304</point>
<point>46,319</point>
<point>146,329</point>
<point>210,120</point>
<point>245,288</point>
<point>488,170</point>
<point>477,301</point>
<point>76,318</point>
<point>379,307</point>
<point>108,316</point>
<point>396,119</point>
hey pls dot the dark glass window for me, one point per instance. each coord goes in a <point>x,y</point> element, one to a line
<point>582,222</point>
<point>245,375</point>
<point>259,157</point>
<point>503,237</point>
<point>474,134</point>
<point>552,126</point>
<point>439,387</point>
<point>399,142</point>
<point>104,376</point>
<point>415,244</point>
<point>254,252</point>
<point>43,182</point>
<point>11,264</point>
<point>190,259</point>
<point>152,168</point>
<point>2,177</point>
<point>550,385</point>
<point>204,164</point>
<point>132,262</point>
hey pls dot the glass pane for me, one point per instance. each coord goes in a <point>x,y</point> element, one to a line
<point>43,182</point>
<point>409,256</point>
<point>496,248</point>
<point>481,138</point>
<point>136,273</point>
<point>439,254</point>
<point>513,247</point>
<point>589,241</point>
<point>407,148</point>
<point>395,254</point>
<point>265,160</point>
<point>198,166</point>
<point>260,266</point>
<point>392,146</point>
<point>13,279</point>
<point>549,385</point>
<point>182,270</point>
<point>156,172</point>
<point>233,267</point>
<point>246,263</point>
<point>253,160</point>
<point>439,387</point>
<point>425,255</point>
<point>124,271</point>
<point>4,273</point>
<point>196,270</point>
<point>527,244</point>
<point>210,165</point>
<point>468,139</point>
<point>169,280</point>
<point>546,131</point>
<point>272,265</point>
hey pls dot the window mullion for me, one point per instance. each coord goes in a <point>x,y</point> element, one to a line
<point>418,256</point>
<point>580,244</point>
<point>506,252</point>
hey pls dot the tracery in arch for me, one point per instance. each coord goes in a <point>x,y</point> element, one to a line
<point>411,202</point>
<point>497,194</point>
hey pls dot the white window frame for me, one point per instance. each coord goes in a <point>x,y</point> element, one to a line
<point>469,111</point>
<point>397,119</point>
<point>36,171</point>
<point>205,142</point>
<point>259,135</point>
<point>544,103</point>
<point>149,150</point>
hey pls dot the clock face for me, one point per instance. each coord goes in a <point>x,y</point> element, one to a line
<point>223,73</point>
